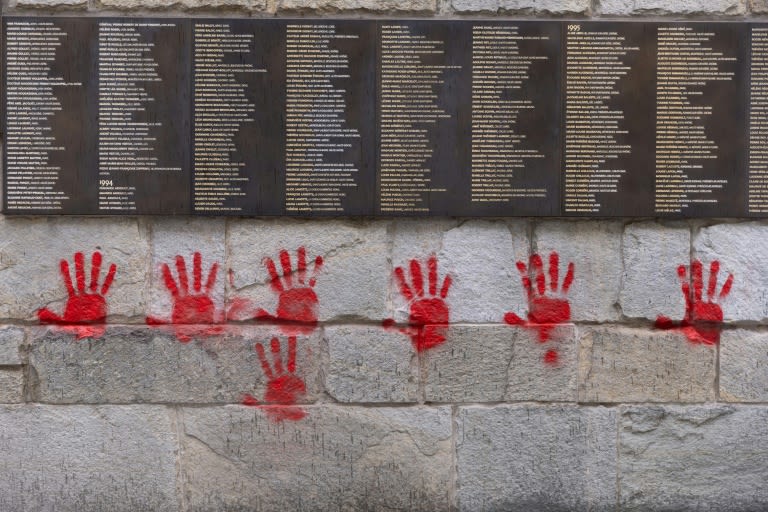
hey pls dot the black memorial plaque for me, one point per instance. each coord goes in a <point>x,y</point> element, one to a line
<point>515,145</point>
<point>757,97</point>
<point>424,118</point>
<point>701,144</point>
<point>608,128</point>
<point>50,102</point>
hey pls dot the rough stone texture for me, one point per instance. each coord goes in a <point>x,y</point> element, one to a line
<point>595,250</point>
<point>246,5</point>
<point>744,366</point>
<point>557,7</point>
<point>669,7</point>
<point>693,458</point>
<point>149,365</point>
<point>650,286</point>
<point>11,339</point>
<point>527,457</point>
<point>352,283</point>
<point>336,458</point>
<point>741,249</point>
<point>87,459</point>
<point>49,4</point>
<point>620,364</point>
<point>370,364</point>
<point>494,363</point>
<point>480,256</point>
<point>29,263</point>
<point>183,237</point>
<point>758,6</point>
<point>11,385</point>
<point>380,6</point>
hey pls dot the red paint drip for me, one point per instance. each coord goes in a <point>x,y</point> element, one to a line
<point>85,306</point>
<point>547,306</point>
<point>297,302</point>
<point>703,318</point>
<point>429,314</point>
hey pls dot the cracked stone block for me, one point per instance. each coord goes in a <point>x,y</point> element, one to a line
<point>480,256</point>
<point>594,248</point>
<point>84,458</point>
<point>742,250</point>
<point>352,283</point>
<point>249,5</point>
<point>533,457</point>
<point>370,364</point>
<point>703,457</point>
<point>669,7</point>
<point>335,458</point>
<point>30,276</point>
<point>183,237</point>
<point>142,364</point>
<point>381,6</point>
<point>11,339</point>
<point>650,285</point>
<point>11,385</point>
<point>620,364</point>
<point>500,362</point>
<point>743,366</point>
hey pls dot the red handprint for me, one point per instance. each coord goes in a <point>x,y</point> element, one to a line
<point>283,388</point>
<point>428,317</point>
<point>703,319</point>
<point>191,310</point>
<point>83,307</point>
<point>545,312</point>
<point>297,302</point>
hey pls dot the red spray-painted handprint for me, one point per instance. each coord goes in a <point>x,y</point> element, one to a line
<point>297,301</point>
<point>703,319</point>
<point>429,316</point>
<point>192,313</point>
<point>83,306</point>
<point>545,311</point>
<point>283,388</point>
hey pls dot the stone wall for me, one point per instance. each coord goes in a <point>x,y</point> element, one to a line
<point>207,409</point>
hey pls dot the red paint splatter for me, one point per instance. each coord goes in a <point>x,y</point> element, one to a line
<point>547,306</point>
<point>86,308</point>
<point>703,318</point>
<point>284,388</point>
<point>297,302</point>
<point>193,313</point>
<point>429,314</point>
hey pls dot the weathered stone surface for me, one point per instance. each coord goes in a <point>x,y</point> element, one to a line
<point>30,276</point>
<point>424,6</point>
<point>528,457</point>
<point>183,237</point>
<point>336,458</point>
<point>693,458</point>
<point>149,365</point>
<point>480,256</point>
<point>742,250</point>
<point>352,282</point>
<point>667,7</point>
<point>370,364</point>
<point>744,366</point>
<point>595,250</point>
<point>494,363</point>
<point>87,459</point>
<point>620,364</point>
<point>650,286</point>
<point>49,4</point>
<point>11,385</point>
<point>250,5</point>
<point>758,6</point>
<point>11,339</point>
<point>557,7</point>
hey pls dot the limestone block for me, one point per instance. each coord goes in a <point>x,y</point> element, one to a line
<point>380,6</point>
<point>668,7</point>
<point>129,5</point>
<point>11,339</point>
<point>335,458</point>
<point>620,364</point>
<point>531,457</point>
<point>49,4</point>
<point>743,366</point>
<point>545,7</point>
<point>11,385</point>
<point>703,457</point>
<point>87,459</point>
